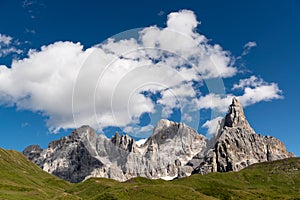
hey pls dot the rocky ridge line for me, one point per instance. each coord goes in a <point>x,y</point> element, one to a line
<point>174,150</point>
<point>237,146</point>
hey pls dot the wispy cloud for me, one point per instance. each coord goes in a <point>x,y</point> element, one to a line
<point>253,81</point>
<point>5,39</point>
<point>28,3</point>
<point>161,13</point>
<point>248,46</point>
<point>8,45</point>
<point>33,7</point>
<point>25,124</point>
<point>246,50</point>
<point>31,31</point>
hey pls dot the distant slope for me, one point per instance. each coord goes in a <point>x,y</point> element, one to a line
<point>269,180</point>
<point>21,179</point>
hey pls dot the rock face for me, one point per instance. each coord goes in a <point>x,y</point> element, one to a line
<point>84,154</point>
<point>124,142</point>
<point>173,150</point>
<point>32,152</point>
<point>236,146</point>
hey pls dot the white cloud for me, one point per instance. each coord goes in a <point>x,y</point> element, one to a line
<point>183,22</point>
<point>212,125</point>
<point>215,102</point>
<point>208,60</point>
<point>247,47</point>
<point>9,50</point>
<point>43,82</point>
<point>141,142</point>
<point>253,81</point>
<point>266,92</point>
<point>5,39</point>
<point>104,85</point>
<point>250,45</point>
<point>254,90</point>
<point>8,45</point>
<point>176,97</point>
<point>140,131</point>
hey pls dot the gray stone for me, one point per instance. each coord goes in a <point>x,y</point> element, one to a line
<point>237,146</point>
<point>174,150</point>
<point>84,154</point>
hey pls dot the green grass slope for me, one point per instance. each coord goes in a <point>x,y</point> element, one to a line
<point>137,188</point>
<point>21,179</point>
<point>270,180</point>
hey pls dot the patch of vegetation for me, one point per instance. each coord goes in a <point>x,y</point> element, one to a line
<point>21,179</point>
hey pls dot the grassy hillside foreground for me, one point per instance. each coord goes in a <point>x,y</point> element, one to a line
<point>21,179</point>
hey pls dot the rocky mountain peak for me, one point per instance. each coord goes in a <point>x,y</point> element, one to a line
<point>124,142</point>
<point>83,134</point>
<point>173,150</point>
<point>163,124</point>
<point>237,146</point>
<point>167,131</point>
<point>84,131</point>
<point>32,152</point>
<point>235,116</point>
<point>85,154</point>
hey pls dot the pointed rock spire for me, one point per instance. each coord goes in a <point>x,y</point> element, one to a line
<point>124,142</point>
<point>235,116</point>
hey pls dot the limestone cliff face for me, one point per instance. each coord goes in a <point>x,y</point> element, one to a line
<point>173,150</point>
<point>32,152</point>
<point>84,154</point>
<point>124,142</point>
<point>237,146</point>
<point>170,147</point>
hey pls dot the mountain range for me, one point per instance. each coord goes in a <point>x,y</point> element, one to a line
<point>22,179</point>
<point>174,150</point>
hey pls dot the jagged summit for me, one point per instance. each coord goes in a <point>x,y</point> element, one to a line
<point>84,132</point>
<point>235,116</point>
<point>84,154</point>
<point>124,142</point>
<point>163,124</point>
<point>238,146</point>
<point>173,150</point>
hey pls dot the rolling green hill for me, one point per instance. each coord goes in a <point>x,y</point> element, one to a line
<point>21,179</point>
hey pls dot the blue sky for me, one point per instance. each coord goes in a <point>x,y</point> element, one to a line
<point>272,29</point>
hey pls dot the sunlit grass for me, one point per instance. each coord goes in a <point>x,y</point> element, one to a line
<point>21,179</point>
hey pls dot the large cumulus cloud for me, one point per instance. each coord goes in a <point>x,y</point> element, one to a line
<point>113,83</point>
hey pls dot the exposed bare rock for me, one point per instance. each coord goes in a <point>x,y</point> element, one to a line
<point>32,152</point>
<point>84,154</point>
<point>174,150</point>
<point>236,116</point>
<point>71,158</point>
<point>237,146</point>
<point>124,142</point>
